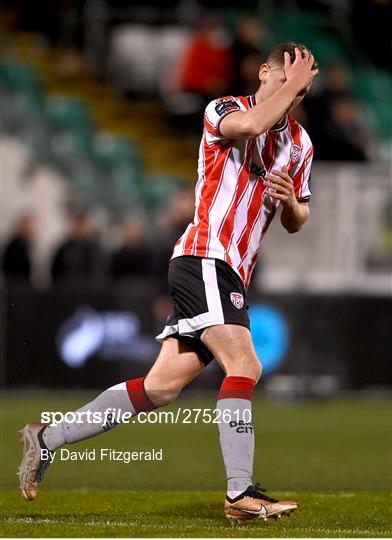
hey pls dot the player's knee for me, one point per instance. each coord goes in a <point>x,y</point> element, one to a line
<point>248,367</point>
<point>160,398</point>
<point>254,369</point>
<point>163,396</point>
<point>258,371</point>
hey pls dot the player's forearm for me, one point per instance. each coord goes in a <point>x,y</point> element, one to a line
<point>294,216</point>
<point>266,114</point>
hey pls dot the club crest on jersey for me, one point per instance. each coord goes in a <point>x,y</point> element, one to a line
<point>295,153</point>
<point>237,300</point>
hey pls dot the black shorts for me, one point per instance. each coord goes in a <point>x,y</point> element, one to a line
<point>204,292</point>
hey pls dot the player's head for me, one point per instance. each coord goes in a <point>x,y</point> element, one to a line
<point>272,74</point>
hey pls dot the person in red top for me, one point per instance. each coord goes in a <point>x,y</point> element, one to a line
<point>206,67</point>
<point>254,158</point>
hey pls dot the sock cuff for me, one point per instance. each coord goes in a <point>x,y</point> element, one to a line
<point>237,387</point>
<point>138,396</point>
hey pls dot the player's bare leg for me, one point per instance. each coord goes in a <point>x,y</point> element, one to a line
<point>174,368</point>
<point>233,348</point>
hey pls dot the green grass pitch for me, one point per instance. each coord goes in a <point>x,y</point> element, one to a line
<point>331,456</point>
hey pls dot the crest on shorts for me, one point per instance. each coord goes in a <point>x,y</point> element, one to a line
<point>237,300</point>
<point>295,153</point>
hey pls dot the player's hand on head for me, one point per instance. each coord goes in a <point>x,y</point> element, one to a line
<point>302,71</point>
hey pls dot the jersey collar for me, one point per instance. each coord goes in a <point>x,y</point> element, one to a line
<point>252,102</point>
<point>283,126</point>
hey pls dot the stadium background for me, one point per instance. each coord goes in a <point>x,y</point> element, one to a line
<point>102,106</point>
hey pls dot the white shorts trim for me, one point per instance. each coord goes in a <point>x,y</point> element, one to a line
<point>212,317</point>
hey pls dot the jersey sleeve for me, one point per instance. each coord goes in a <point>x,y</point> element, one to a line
<point>215,111</point>
<point>302,173</point>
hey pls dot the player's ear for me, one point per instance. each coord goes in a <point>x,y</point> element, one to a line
<point>264,73</point>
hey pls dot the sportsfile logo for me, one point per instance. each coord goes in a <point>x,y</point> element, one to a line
<point>108,419</point>
<point>111,417</point>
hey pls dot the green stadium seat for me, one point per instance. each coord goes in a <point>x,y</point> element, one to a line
<point>110,150</point>
<point>20,79</point>
<point>119,163</point>
<point>71,115</point>
<point>157,190</point>
<point>374,89</point>
<point>18,76</point>
<point>63,112</point>
<point>295,25</point>
<point>327,49</point>
<point>372,85</point>
<point>311,29</point>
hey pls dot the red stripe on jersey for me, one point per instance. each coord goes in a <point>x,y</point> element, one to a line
<point>298,178</point>
<point>231,214</point>
<point>210,127</point>
<point>268,158</point>
<point>248,274</point>
<point>308,157</point>
<point>212,190</point>
<point>251,266</point>
<point>296,139</point>
<point>206,195</point>
<point>227,225</point>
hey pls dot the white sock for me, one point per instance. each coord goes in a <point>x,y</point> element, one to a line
<point>116,397</point>
<point>236,432</point>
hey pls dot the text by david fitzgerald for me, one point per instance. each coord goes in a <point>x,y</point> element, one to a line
<point>103,454</point>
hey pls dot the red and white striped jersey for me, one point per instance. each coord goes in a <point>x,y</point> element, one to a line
<point>232,210</point>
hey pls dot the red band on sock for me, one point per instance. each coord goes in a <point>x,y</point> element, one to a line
<point>140,400</point>
<point>237,387</point>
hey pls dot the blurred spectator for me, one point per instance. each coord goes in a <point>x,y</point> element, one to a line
<point>336,85</point>
<point>340,136</point>
<point>79,259</point>
<point>173,223</point>
<point>16,263</point>
<point>344,138</point>
<point>334,120</point>
<point>133,258</point>
<point>206,66</point>
<point>301,116</point>
<point>337,82</point>
<point>203,72</point>
<point>246,57</point>
<point>180,213</point>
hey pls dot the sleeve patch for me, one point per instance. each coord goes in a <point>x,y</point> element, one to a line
<point>225,105</point>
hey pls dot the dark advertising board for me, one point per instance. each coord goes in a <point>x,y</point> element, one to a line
<point>75,338</point>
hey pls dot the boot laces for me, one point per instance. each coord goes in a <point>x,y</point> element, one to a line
<point>258,492</point>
